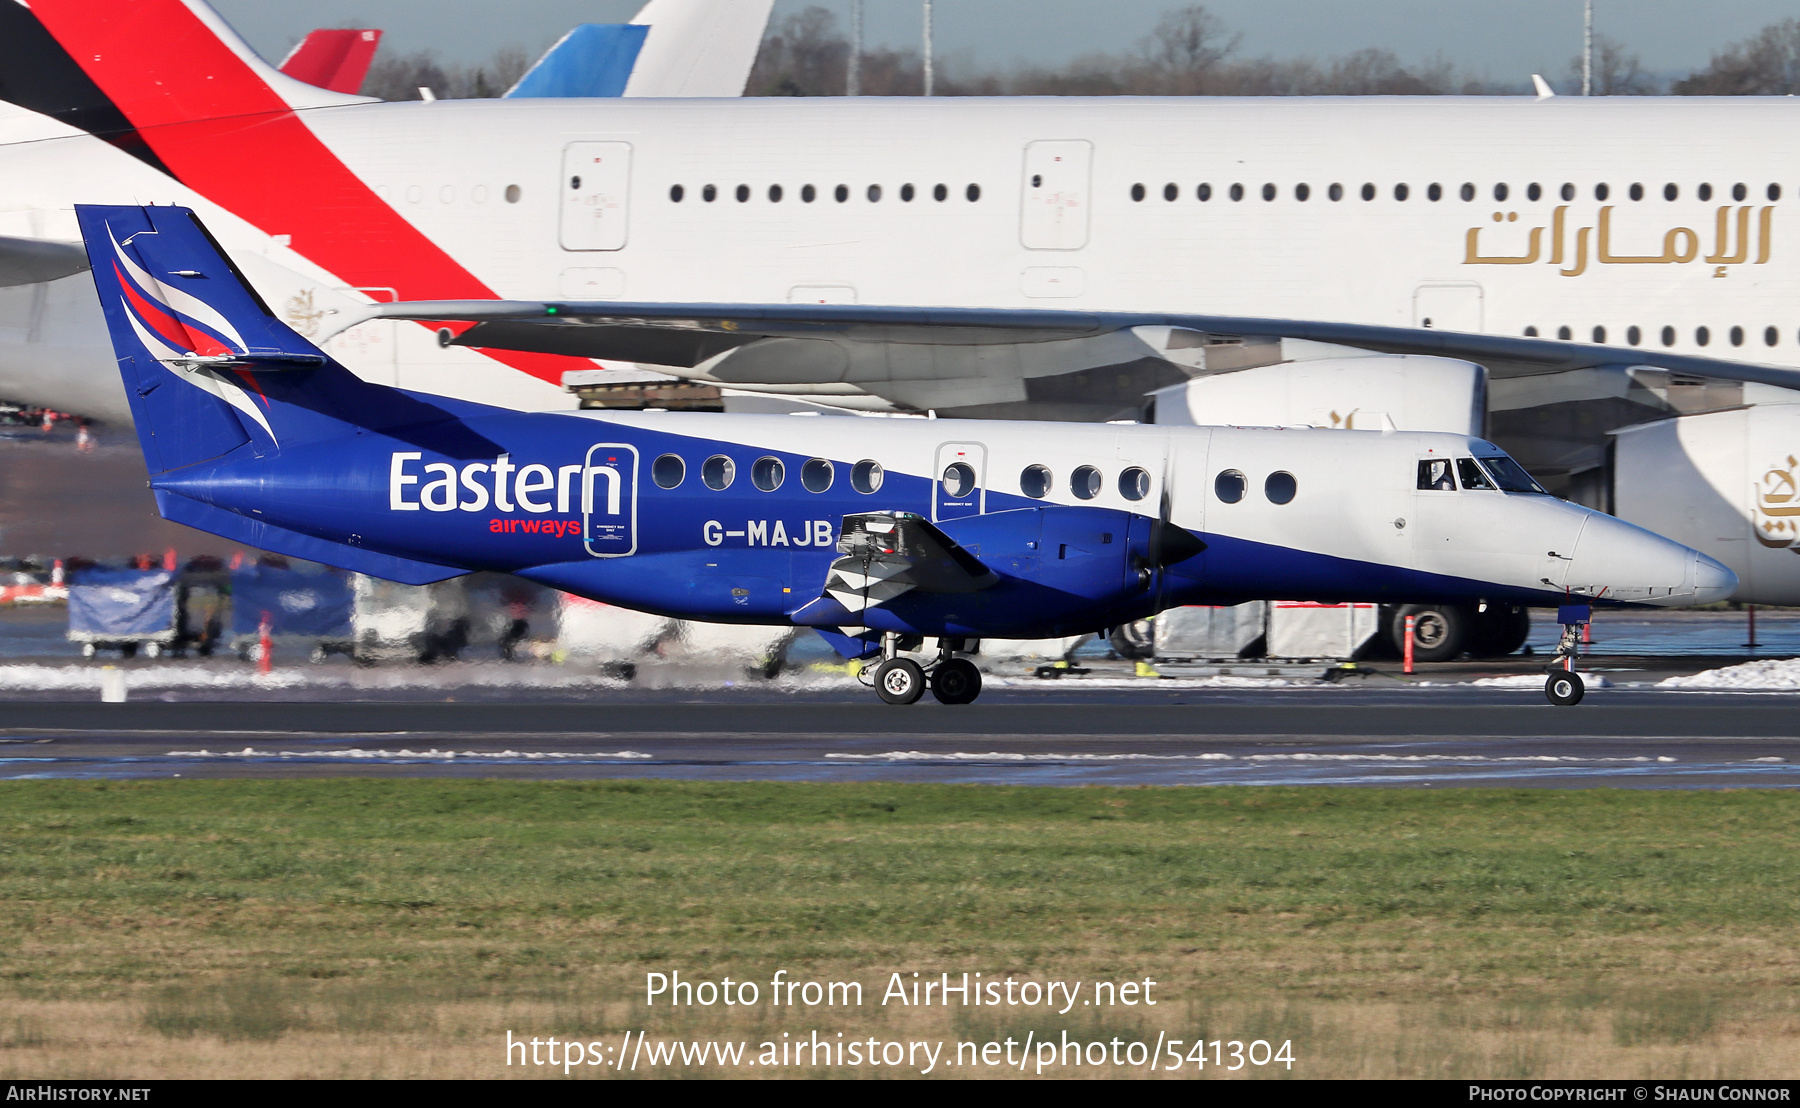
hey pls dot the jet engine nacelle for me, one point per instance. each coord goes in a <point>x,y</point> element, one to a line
<point>1357,392</point>
<point>1725,483</point>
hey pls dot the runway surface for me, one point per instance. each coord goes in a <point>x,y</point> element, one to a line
<point>1060,736</point>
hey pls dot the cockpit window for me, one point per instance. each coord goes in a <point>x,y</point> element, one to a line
<point>1434,473</point>
<point>1510,475</point>
<point>1472,477</point>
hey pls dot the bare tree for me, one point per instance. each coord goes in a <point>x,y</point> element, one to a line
<point>400,77</point>
<point>1187,47</point>
<point>1616,72</point>
<point>805,55</point>
<point>1765,64</point>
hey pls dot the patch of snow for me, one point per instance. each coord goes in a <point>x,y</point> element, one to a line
<point>1769,675</point>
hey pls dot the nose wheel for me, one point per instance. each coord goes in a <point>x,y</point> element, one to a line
<point>1565,689</point>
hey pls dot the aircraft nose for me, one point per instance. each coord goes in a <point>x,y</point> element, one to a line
<point>1713,580</point>
<point>1621,561</point>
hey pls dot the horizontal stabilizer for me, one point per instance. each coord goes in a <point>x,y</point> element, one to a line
<point>278,540</point>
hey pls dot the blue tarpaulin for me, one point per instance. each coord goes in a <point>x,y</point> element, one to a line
<point>107,604</point>
<point>318,605</point>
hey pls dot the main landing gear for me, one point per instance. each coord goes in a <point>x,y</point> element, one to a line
<point>1564,687</point>
<point>900,680</point>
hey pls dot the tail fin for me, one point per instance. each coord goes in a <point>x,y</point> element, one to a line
<point>210,372</point>
<point>337,59</point>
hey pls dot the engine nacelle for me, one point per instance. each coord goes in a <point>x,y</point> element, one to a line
<point>1725,483</point>
<point>1354,392</point>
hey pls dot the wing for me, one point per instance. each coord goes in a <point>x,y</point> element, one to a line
<point>884,555</point>
<point>712,337</point>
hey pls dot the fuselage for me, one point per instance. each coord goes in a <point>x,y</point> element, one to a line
<point>736,518</point>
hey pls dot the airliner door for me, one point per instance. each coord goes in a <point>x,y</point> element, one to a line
<point>1057,192</point>
<point>961,486</point>
<point>608,482</point>
<point>596,184</point>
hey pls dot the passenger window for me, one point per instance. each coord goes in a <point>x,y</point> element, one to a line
<point>940,193</point>
<point>1601,192</point>
<point>774,194</point>
<point>1268,192</point>
<point>1671,191</point>
<point>1035,482</point>
<point>1434,191</point>
<point>973,192</point>
<point>874,194</point>
<point>1302,192</point>
<point>1085,482</point>
<point>767,474</point>
<point>815,475</point>
<point>1637,191</point>
<point>1368,191</point>
<point>1400,192</point>
<point>841,193</point>
<point>1435,476</point>
<point>865,476</point>
<point>1737,336</point>
<point>1336,192</point>
<point>1229,486</point>
<point>1738,192</point>
<point>668,471</point>
<point>1171,191</point>
<point>1564,333</point>
<point>1705,191</point>
<point>1472,477</point>
<point>709,193</point>
<point>1500,192</point>
<point>1568,191</point>
<point>1600,334</point>
<point>1535,191</point>
<point>808,194</point>
<point>959,480</point>
<point>1467,192</point>
<point>1702,335</point>
<point>1134,483</point>
<point>1774,192</point>
<point>676,192</point>
<point>718,472</point>
<point>1280,487</point>
<point>743,194</point>
<point>1633,335</point>
<point>1668,336</point>
<point>1237,192</point>
<point>1204,192</point>
<point>1771,336</point>
<point>907,193</point>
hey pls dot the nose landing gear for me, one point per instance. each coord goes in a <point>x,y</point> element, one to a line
<point>898,680</point>
<point>1564,687</point>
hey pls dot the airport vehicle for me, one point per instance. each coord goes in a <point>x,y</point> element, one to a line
<point>878,533</point>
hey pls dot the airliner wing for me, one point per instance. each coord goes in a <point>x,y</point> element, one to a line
<point>688,335</point>
<point>29,261</point>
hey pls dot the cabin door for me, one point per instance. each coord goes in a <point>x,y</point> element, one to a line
<point>1056,195</point>
<point>961,481</point>
<point>596,184</point>
<point>608,490</point>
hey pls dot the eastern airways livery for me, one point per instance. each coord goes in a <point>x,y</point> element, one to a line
<point>877,532</point>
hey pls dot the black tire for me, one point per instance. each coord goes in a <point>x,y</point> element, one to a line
<point>1440,631</point>
<point>957,681</point>
<point>899,681</point>
<point>1564,688</point>
<point>1499,631</point>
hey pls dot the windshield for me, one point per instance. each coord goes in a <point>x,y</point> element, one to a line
<point>1510,475</point>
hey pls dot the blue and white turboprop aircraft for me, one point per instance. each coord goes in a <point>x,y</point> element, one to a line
<point>879,533</point>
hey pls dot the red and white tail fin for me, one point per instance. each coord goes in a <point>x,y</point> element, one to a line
<point>336,59</point>
<point>172,61</point>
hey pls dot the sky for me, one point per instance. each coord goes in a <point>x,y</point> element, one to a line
<point>1499,41</point>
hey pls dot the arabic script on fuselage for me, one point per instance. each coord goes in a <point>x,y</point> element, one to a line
<point>1573,249</point>
<point>1775,513</point>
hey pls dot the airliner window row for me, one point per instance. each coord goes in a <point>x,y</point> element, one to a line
<point>1634,335</point>
<point>818,474</point>
<point>1171,192</point>
<point>808,193</point>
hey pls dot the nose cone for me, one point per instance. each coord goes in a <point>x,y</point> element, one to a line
<point>1619,561</point>
<point>1712,580</point>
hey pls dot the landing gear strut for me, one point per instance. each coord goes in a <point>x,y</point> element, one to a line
<point>898,680</point>
<point>1564,687</point>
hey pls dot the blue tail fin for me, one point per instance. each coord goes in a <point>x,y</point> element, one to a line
<point>213,376</point>
<point>190,333</point>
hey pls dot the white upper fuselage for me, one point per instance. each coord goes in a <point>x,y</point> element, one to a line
<point>447,167</point>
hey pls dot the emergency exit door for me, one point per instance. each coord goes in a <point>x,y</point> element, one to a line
<point>1056,195</point>
<point>596,187</point>
<point>961,487</point>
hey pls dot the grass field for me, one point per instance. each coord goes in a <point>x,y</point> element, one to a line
<point>361,927</point>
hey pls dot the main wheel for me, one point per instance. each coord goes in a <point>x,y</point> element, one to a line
<point>899,681</point>
<point>1499,631</point>
<point>1564,688</point>
<point>957,681</point>
<point>1440,631</point>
